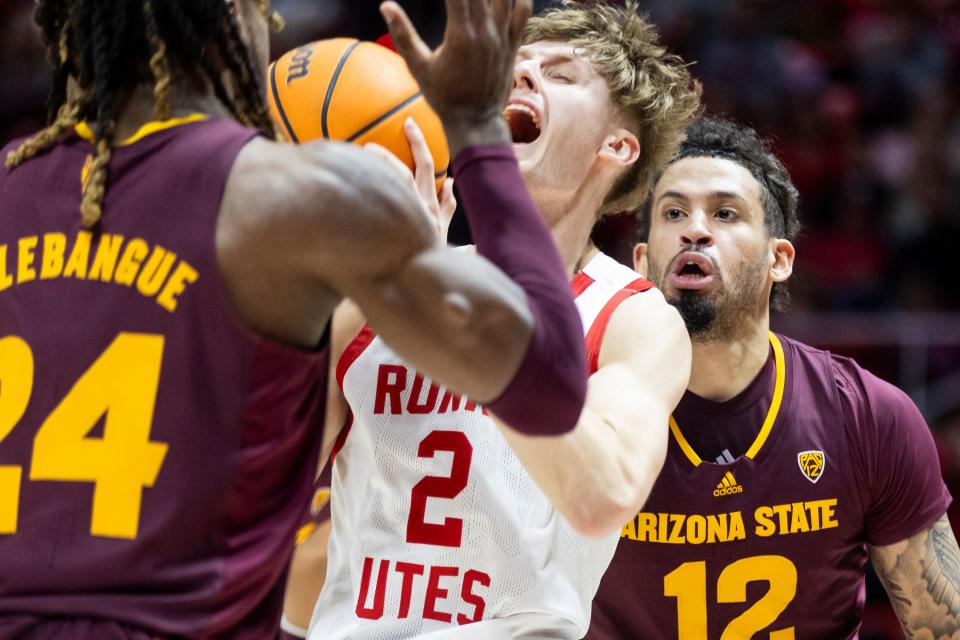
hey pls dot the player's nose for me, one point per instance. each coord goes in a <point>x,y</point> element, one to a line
<point>696,232</point>
<point>524,76</point>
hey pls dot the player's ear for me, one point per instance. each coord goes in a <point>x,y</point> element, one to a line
<point>620,147</point>
<point>782,254</point>
<point>640,259</point>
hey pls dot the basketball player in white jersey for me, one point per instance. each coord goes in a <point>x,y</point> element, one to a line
<point>440,519</point>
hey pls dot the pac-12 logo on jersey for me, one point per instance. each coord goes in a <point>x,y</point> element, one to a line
<point>811,464</point>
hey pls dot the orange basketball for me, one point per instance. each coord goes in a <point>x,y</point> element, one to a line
<point>359,92</point>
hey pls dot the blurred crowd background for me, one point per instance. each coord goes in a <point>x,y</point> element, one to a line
<point>862,100</point>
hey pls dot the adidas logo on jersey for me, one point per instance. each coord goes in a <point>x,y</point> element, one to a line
<point>728,486</point>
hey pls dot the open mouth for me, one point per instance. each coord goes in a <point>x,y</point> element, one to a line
<point>692,270</point>
<point>523,122</point>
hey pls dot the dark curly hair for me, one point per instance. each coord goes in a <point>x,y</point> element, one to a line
<point>108,47</point>
<point>718,138</point>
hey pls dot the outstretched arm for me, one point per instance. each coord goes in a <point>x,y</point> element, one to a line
<point>922,577</point>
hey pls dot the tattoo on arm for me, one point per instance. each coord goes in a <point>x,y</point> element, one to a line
<point>941,568</point>
<point>922,578</point>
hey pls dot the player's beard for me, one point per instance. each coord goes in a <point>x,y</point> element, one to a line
<point>724,313</point>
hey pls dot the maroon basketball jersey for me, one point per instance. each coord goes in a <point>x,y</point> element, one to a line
<point>772,544</point>
<point>155,457</point>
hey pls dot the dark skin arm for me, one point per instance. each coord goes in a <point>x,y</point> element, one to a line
<point>287,263</point>
<point>922,577</point>
<point>303,227</point>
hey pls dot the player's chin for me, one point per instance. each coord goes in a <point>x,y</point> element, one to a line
<point>526,152</point>
<point>696,298</point>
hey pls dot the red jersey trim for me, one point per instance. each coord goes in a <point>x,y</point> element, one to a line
<point>579,283</point>
<point>356,347</point>
<point>640,285</point>
<point>594,338</point>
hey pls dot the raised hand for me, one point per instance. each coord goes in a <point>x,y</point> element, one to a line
<point>439,206</point>
<point>467,78</point>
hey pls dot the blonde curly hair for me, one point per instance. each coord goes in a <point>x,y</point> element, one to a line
<point>652,87</point>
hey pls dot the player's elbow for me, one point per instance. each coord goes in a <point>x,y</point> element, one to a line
<point>490,335</point>
<point>547,393</point>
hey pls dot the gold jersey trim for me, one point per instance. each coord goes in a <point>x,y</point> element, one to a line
<point>84,131</point>
<point>772,412</point>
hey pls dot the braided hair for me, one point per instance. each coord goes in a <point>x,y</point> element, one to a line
<point>109,47</point>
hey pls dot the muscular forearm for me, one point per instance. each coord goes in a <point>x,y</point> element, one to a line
<point>600,474</point>
<point>509,232</point>
<point>922,578</point>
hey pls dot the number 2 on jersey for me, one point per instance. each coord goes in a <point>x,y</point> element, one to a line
<point>121,387</point>
<point>450,532</point>
<point>688,584</point>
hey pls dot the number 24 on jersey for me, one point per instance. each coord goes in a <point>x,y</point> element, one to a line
<point>120,385</point>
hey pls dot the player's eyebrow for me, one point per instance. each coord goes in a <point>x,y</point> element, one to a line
<point>715,195</point>
<point>726,195</point>
<point>553,58</point>
<point>675,195</point>
<point>561,58</point>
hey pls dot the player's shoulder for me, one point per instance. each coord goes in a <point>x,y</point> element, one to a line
<point>871,391</point>
<point>8,147</point>
<point>635,300</point>
<point>867,401</point>
<point>643,325</point>
<point>605,271</point>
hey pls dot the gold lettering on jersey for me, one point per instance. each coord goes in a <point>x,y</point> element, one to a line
<point>105,260</point>
<point>675,528</point>
<point>157,272</point>
<point>6,280</point>
<point>54,247</point>
<point>779,519</point>
<point>133,256</point>
<point>79,257</point>
<point>796,517</point>
<point>25,270</point>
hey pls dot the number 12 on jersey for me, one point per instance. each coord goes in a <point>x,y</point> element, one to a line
<point>688,584</point>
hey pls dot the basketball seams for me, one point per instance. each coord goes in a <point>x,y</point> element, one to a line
<point>279,103</point>
<point>328,98</point>
<point>385,116</point>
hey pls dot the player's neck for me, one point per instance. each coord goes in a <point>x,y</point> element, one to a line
<point>723,368</point>
<point>571,234</point>
<point>571,221</point>
<point>139,107</point>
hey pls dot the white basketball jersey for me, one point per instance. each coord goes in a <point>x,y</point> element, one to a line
<point>435,522</point>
